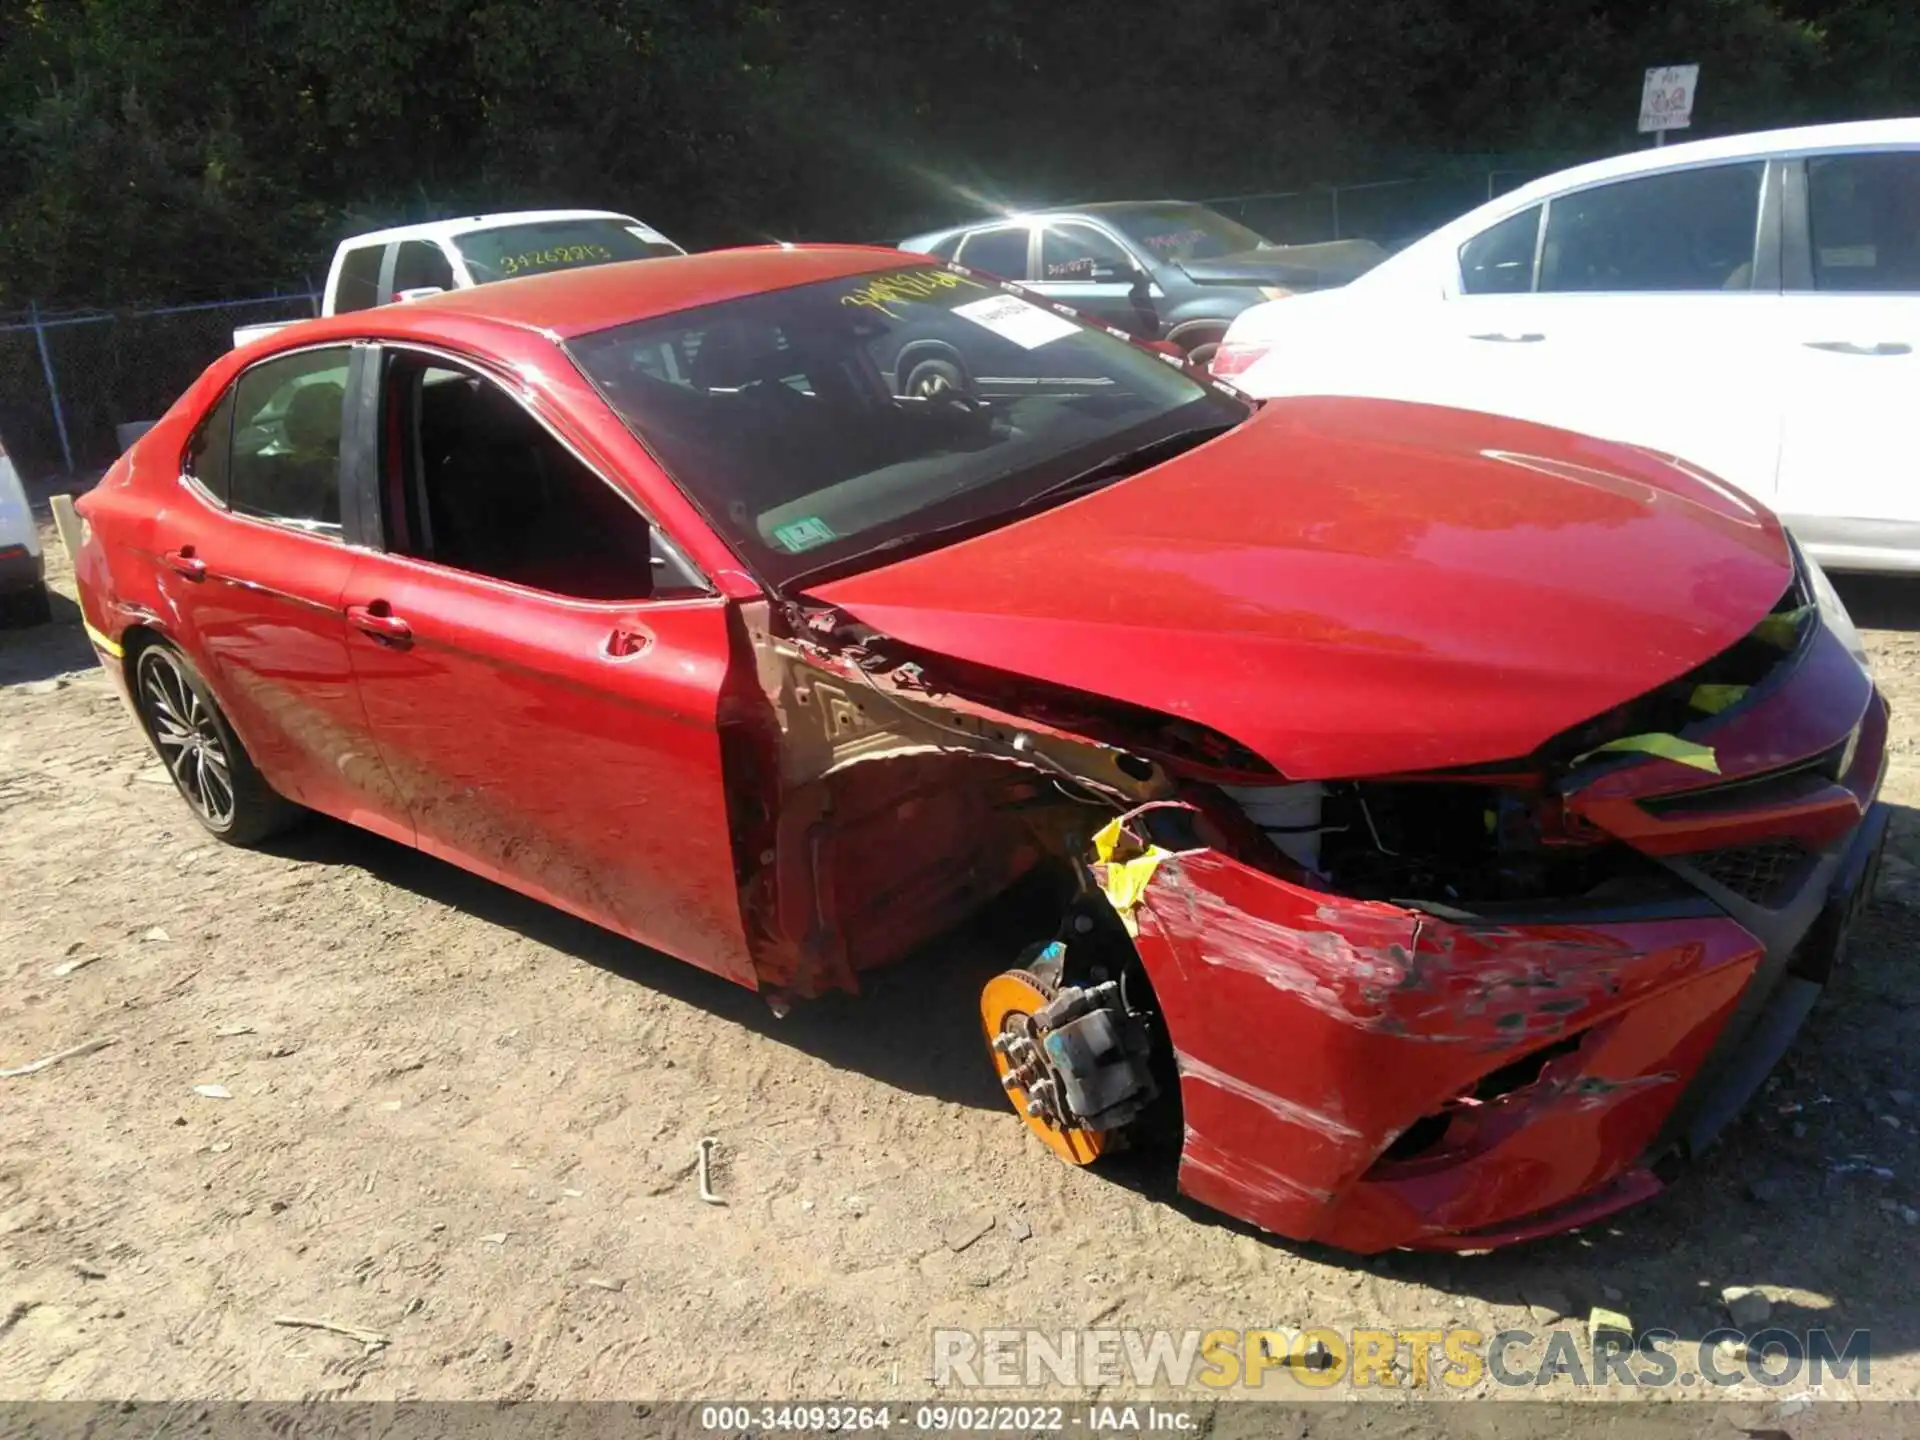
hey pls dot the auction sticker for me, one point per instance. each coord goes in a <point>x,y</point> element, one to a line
<point>1012,318</point>
<point>648,234</point>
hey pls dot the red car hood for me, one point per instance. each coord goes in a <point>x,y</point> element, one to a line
<point>1351,587</point>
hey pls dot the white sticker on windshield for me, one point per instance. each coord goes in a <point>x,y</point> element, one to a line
<point>1012,318</point>
<point>648,234</point>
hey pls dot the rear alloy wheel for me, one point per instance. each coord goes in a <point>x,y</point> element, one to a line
<point>210,768</point>
<point>1007,1007</point>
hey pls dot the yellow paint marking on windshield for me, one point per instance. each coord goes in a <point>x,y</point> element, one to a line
<point>884,291</point>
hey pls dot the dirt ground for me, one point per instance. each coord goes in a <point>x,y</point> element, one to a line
<point>469,1123</point>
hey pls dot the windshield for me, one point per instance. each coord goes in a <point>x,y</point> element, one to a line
<point>535,248</point>
<point>816,424</point>
<point>1174,232</point>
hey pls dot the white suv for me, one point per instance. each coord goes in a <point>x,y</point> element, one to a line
<point>1749,304</point>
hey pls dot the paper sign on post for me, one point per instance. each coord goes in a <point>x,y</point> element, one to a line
<point>1012,318</point>
<point>1666,99</point>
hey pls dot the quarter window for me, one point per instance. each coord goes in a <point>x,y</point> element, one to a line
<point>1684,230</point>
<point>1499,260</point>
<point>998,252</point>
<point>210,448</point>
<point>1864,214</point>
<point>475,483</point>
<point>1070,252</point>
<point>359,287</point>
<point>286,439</point>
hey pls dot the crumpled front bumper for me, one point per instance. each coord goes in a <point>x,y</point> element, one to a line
<point>1373,1075</point>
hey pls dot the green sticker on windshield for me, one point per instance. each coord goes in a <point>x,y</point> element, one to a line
<point>804,534</point>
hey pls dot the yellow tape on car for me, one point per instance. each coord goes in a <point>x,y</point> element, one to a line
<point>1667,747</point>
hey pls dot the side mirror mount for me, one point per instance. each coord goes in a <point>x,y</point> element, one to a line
<point>1106,273</point>
<point>419,292</point>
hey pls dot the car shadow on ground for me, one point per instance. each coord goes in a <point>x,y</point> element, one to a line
<point>914,1026</point>
<point>45,652</point>
<point>1801,1194</point>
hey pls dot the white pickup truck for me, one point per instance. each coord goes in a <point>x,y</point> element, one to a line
<point>409,261</point>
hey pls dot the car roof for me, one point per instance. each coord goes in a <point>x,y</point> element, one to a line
<point>466,224</point>
<point>1755,145</point>
<point>565,303</point>
<point>1093,211</point>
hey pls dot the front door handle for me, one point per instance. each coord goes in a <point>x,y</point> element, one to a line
<point>1507,338</point>
<point>625,641</point>
<point>376,617</point>
<point>184,562</point>
<point>1853,347</point>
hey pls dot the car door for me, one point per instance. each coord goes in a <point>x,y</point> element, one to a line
<point>1087,268</point>
<point>252,562</point>
<point>547,709</point>
<point>1849,467</point>
<point>1637,310</point>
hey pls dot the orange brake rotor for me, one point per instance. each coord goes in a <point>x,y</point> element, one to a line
<point>1006,1007</point>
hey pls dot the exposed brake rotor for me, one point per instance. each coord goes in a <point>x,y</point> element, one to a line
<point>1007,1007</point>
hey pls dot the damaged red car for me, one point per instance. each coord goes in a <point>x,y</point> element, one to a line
<point>1447,820</point>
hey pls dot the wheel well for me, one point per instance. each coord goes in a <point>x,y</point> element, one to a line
<point>1198,332</point>
<point>133,640</point>
<point>918,350</point>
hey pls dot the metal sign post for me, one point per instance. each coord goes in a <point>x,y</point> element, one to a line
<point>1666,99</point>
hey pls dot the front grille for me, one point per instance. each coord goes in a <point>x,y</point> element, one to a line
<point>1760,874</point>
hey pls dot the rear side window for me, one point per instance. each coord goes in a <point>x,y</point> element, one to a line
<point>210,448</point>
<point>1864,217</point>
<point>359,287</point>
<point>1499,260</point>
<point>421,264</point>
<point>998,252</point>
<point>944,249</point>
<point>285,463</point>
<point>1686,230</point>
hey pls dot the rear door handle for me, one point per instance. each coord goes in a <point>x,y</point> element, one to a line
<point>1852,347</point>
<point>376,617</point>
<point>1507,338</point>
<point>184,562</point>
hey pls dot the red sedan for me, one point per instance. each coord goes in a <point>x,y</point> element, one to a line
<point>1450,819</point>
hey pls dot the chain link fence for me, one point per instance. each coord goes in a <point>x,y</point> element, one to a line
<point>1391,213</point>
<point>67,381</point>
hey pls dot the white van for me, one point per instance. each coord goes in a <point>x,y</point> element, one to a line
<point>409,261</point>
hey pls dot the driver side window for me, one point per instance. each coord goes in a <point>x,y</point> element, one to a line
<point>1070,252</point>
<point>472,481</point>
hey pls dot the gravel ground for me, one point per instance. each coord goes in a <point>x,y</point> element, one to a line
<point>467,1122</point>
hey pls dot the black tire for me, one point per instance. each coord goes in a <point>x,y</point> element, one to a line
<point>28,607</point>
<point>932,376</point>
<point>210,767</point>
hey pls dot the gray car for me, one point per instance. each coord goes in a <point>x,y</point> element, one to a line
<point>1161,269</point>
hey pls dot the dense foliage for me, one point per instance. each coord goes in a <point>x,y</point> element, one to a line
<point>174,149</point>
